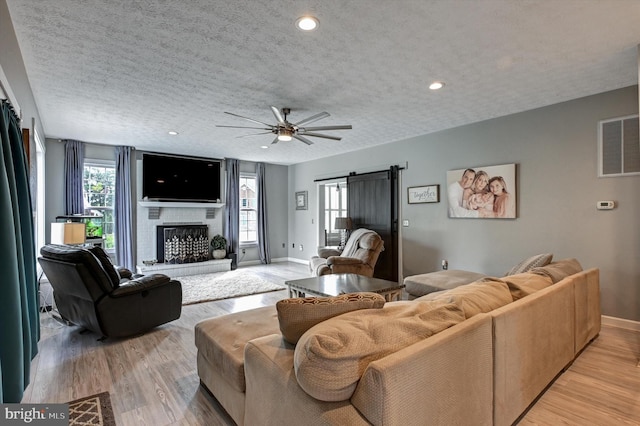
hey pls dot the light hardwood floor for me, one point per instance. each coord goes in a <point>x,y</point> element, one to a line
<point>152,378</point>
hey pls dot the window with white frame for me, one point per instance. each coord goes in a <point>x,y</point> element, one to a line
<point>248,210</point>
<point>99,182</point>
<point>335,205</point>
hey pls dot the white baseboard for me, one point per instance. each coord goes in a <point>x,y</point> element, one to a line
<point>296,260</point>
<point>249,262</point>
<point>621,323</point>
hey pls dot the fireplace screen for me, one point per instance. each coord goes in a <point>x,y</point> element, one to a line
<point>183,243</point>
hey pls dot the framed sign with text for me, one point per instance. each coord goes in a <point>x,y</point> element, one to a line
<point>423,194</point>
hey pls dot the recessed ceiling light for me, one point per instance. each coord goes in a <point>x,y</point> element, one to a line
<point>436,85</point>
<point>264,147</point>
<point>173,132</point>
<point>307,23</point>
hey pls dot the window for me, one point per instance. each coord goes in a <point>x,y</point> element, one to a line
<point>99,184</point>
<point>335,205</point>
<point>40,192</point>
<point>618,147</point>
<point>248,210</point>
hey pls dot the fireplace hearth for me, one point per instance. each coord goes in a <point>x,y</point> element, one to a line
<point>182,243</point>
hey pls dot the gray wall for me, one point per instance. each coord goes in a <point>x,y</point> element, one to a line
<point>276,176</point>
<point>555,149</point>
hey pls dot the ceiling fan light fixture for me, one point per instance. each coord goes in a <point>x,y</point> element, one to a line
<point>307,23</point>
<point>284,135</point>
<point>286,131</point>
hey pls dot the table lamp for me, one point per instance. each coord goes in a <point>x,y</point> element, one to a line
<point>344,225</point>
<point>69,233</point>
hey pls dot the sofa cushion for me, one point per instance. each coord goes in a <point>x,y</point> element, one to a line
<point>521,285</point>
<point>421,284</point>
<point>475,298</point>
<point>221,340</point>
<point>331,357</point>
<point>297,315</point>
<point>557,271</point>
<point>530,263</point>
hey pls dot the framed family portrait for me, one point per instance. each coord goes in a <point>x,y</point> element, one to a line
<point>301,200</point>
<point>423,194</point>
<point>482,192</point>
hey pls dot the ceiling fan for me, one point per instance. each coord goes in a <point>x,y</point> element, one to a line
<point>285,131</point>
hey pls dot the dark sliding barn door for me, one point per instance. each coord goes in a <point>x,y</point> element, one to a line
<point>373,204</point>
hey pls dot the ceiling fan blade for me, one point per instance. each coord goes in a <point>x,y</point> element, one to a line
<point>345,127</point>
<point>319,135</point>
<point>302,139</point>
<point>313,118</point>
<point>247,118</point>
<point>253,134</point>
<point>275,141</point>
<point>245,127</point>
<point>278,115</point>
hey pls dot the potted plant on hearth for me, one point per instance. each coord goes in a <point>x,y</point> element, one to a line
<point>218,247</point>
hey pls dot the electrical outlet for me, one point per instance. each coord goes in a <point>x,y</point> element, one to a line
<point>284,245</point>
<point>301,247</point>
<point>293,245</point>
<point>243,251</point>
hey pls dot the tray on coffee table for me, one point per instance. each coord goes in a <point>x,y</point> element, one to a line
<point>336,284</point>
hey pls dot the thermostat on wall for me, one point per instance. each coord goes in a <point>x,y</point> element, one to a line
<point>606,205</point>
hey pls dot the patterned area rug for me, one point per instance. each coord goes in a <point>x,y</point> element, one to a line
<point>223,285</point>
<point>92,410</point>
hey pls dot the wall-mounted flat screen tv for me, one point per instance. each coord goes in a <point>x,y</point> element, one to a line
<point>176,178</point>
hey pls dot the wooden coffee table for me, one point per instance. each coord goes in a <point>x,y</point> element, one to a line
<point>336,284</point>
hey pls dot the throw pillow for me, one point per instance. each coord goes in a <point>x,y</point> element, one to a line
<point>557,271</point>
<point>105,262</point>
<point>475,298</point>
<point>299,314</point>
<point>521,285</point>
<point>530,263</point>
<point>331,357</point>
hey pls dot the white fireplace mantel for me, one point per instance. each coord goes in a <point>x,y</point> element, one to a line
<point>155,206</point>
<point>182,205</point>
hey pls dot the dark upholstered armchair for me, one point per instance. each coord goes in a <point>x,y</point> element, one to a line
<point>90,292</point>
<point>359,256</point>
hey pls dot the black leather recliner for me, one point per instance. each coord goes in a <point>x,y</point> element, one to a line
<point>89,292</point>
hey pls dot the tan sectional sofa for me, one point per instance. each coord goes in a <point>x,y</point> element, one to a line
<point>485,369</point>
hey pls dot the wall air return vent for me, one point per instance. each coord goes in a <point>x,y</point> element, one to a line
<point>618,147</point>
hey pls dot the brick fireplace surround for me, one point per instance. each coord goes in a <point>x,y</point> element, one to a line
<point>173,214</point>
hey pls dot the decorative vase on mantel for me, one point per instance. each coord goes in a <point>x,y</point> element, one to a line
<point>218,247</point>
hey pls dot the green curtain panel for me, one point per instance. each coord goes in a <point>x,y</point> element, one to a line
<point>19,314</point>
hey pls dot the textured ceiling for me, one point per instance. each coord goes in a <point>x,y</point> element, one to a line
<point>126,72</point>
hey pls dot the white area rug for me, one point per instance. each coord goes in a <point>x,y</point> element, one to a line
<point>223,285</point>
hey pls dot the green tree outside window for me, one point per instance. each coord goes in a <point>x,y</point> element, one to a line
<point>99,194</point>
